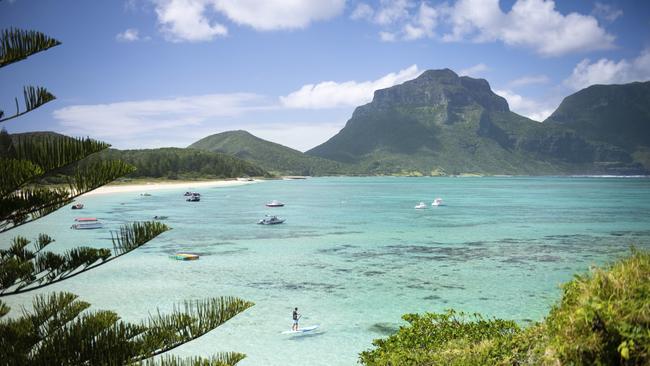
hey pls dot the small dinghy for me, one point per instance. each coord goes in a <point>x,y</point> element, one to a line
<point>420,206</point>
<point>437,202</point>
<point>77,206</point>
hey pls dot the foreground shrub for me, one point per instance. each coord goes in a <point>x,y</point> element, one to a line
<point>603,318</point>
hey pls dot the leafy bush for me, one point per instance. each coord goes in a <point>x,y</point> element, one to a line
<point>603,318</point>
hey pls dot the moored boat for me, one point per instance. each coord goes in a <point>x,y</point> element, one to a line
<point>77,206</point>
<point>420,206</point>
<point>275,203</point>
<point>184,256</point>
<point>437,202</point>
<point>271,220</point>
<point>85,219</point>
<point>87,225</point>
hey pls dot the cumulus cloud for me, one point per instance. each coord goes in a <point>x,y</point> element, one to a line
<point>605,71</point>
<point>194,20</point>
<point>606,12</point>
<point>534,24</point>
<point>129,35</point>
<point>187,20</point>
<point>133,118</point>
<point>529,80</point>
<point>475,70</point>
<point>331,94</point>
<point>525,106</point>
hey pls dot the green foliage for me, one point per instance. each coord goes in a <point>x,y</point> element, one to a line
<point>60,330</point>
<point>221,359</point>
<point>273,157</point>
<point>25,268</point>
<point>449,338</point>
<point>603,318</point>
<point>174,163</point>
<point>17,44</point>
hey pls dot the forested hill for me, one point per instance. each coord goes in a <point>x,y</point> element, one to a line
<point>175,163</point>
<point>273,157</point>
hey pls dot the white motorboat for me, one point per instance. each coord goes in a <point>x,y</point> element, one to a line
<point>275,203</point>
<point>271,220</point>
<point>437,202</point>
<point>87,225</point>
<point>420,206</point>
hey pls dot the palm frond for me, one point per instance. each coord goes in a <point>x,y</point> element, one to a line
<point>219,359</point>
<point>35,96</point>
<point>23,269</point>
<point>17,44</point>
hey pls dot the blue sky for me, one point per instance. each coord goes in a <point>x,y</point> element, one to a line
<point>152,73</point>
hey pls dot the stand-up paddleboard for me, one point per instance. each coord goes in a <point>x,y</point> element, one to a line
<point>301,330</point>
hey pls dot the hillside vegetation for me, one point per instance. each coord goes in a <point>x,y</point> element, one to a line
<point>178,163</point>
<point>603,318</point>
<point>273,157</point>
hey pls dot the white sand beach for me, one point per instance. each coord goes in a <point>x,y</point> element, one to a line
<point>157,186</point>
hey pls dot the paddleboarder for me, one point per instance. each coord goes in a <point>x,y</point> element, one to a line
<point>296,317</point>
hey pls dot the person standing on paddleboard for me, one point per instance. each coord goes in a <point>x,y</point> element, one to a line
<point>296,317</point>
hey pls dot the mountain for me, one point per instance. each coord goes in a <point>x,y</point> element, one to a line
<point>615,114</point>
<point>441,123</point>
<point>273,157</point>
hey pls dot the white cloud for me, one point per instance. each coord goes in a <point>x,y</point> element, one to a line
<point>534,24</point>
<point>529,80</point>
<point>123,120</point>
<point>387,36</point>
<point>330,94</point>
<point>186,20</point>
<point>606,12</point>
<point>362,11</point>
<point>129,35</point>
<point>193,20</point>
<point>605,71</point>
<point>527,107</point>
<point>475,70</point>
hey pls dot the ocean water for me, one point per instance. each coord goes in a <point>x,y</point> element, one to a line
<point>354,255</point>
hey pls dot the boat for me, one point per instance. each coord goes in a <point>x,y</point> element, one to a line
<point>275,203</point>
<point>245,179</point>
<point>184,256</point>
<point>437,202</point>
<point>271,220</point>
<point>77,206</point>
<point>145,194</point>
<point>187,194</point>
<point>85,219</point>
<point>87,225</point>
<point>420,206</point>
<point>195,197</point>
<point>160,217</point>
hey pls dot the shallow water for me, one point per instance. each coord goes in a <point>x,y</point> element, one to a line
<point>354,255</point>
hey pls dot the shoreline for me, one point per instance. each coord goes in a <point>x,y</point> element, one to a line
<point>158,186</point>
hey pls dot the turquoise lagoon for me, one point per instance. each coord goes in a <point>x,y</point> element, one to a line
<point>354,255</point>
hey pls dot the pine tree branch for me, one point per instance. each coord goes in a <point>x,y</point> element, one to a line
<point>22,271</point>
<point>34,98</point>
<point>17,44</point>
<point>220,359</point>
<point>29,204</point>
